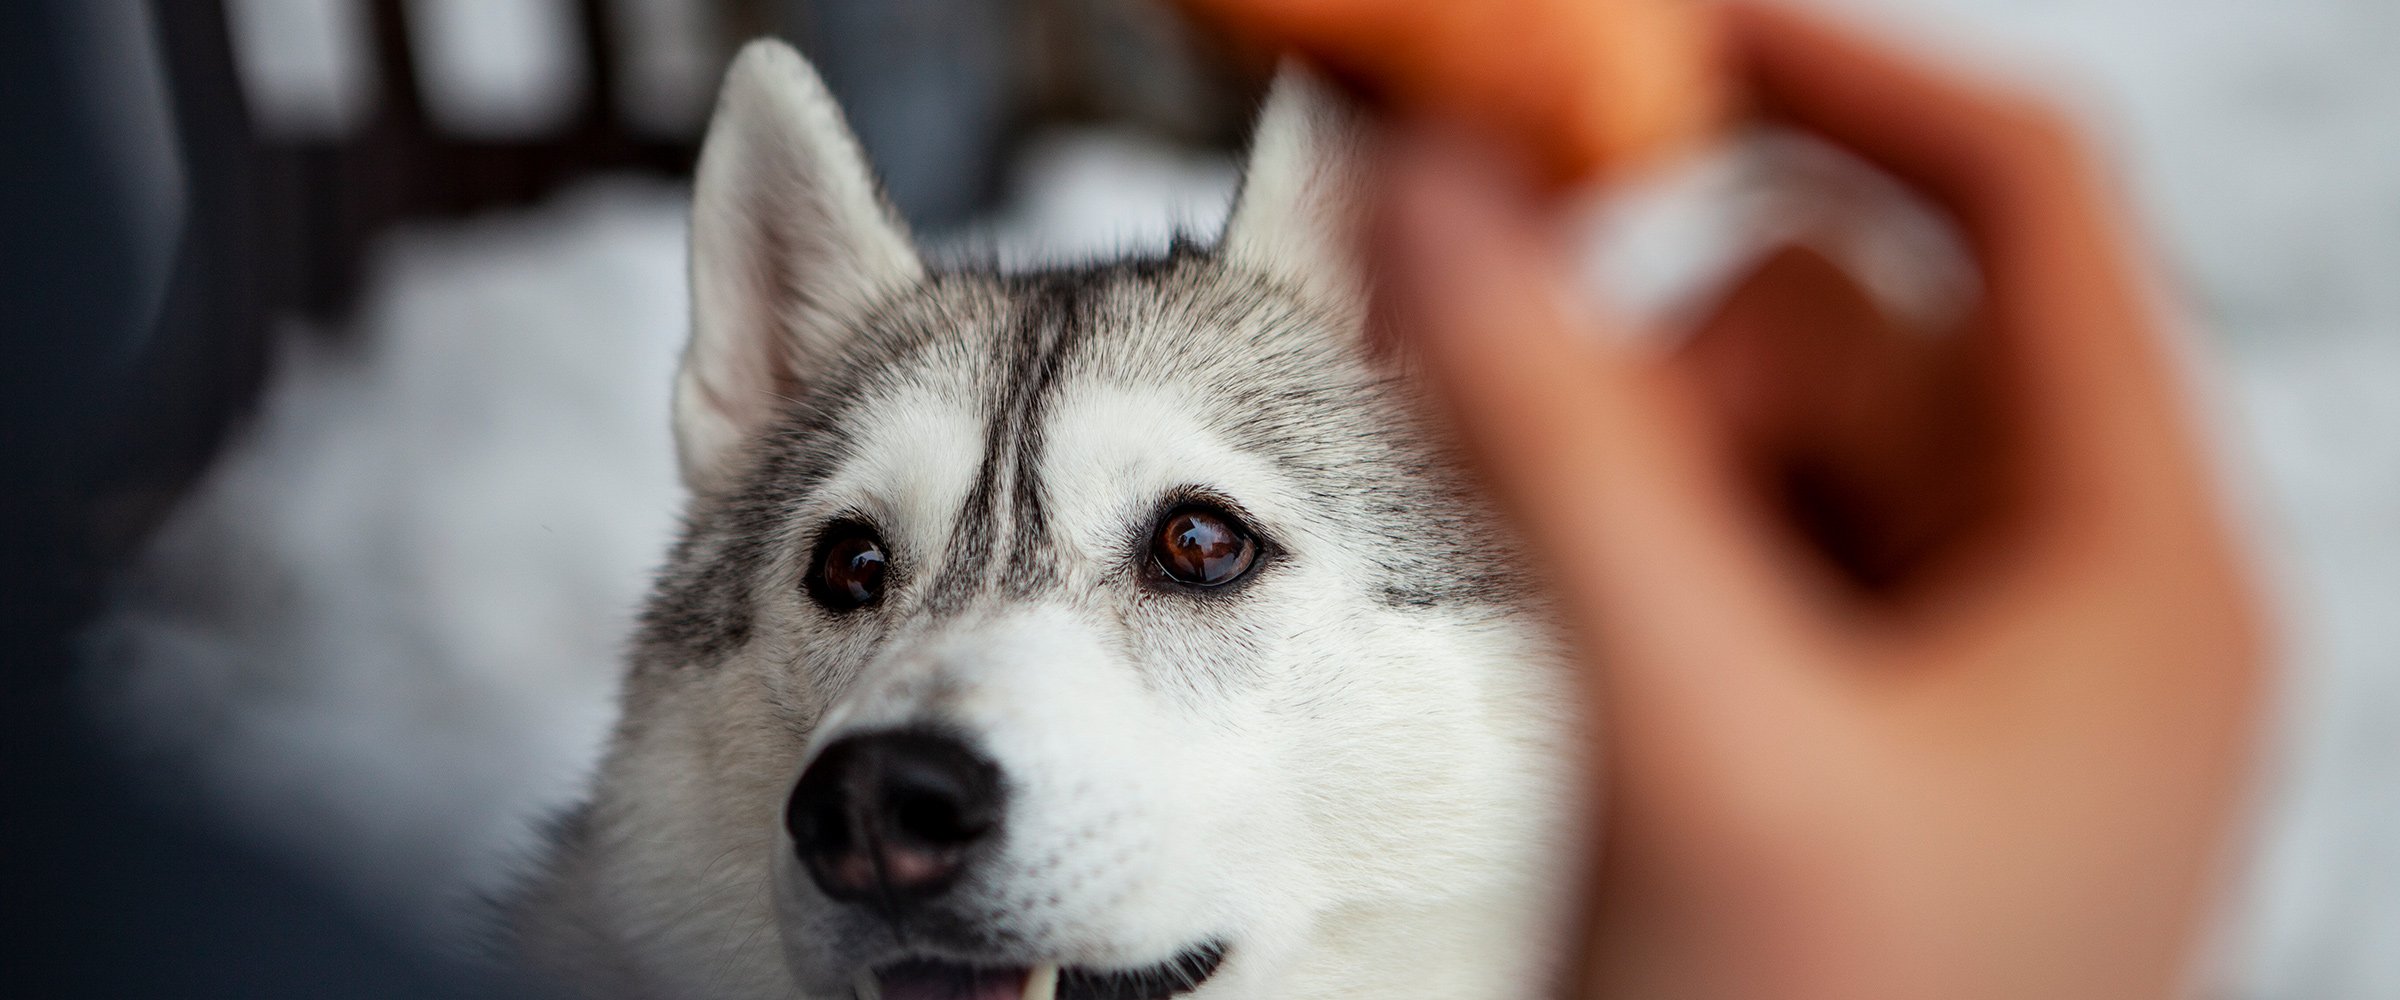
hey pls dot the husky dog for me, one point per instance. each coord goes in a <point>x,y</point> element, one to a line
<point>1106,633</point>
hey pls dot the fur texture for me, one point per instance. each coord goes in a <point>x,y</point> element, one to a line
<point>1348,768</point>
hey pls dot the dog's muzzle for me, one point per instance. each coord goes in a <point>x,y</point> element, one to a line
<point>888,821</point>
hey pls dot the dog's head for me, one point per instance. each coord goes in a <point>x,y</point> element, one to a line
<point>1121,628</point>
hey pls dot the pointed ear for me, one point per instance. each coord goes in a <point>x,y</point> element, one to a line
<point>790,244</point>
<point>1303,194</point>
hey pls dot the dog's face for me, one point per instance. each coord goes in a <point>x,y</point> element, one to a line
<point>1120,631</point>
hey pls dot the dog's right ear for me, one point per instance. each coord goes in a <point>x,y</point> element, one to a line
<point>791,243</point>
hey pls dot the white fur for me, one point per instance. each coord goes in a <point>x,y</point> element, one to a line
<point>1362,797</point>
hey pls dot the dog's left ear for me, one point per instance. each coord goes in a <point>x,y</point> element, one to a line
<point>1303,195</point>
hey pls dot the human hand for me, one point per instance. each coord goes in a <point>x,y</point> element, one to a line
<point>1967,718</point>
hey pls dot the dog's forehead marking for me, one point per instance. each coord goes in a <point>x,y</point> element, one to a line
<point>1005,502</point>
<point>1180,373</point>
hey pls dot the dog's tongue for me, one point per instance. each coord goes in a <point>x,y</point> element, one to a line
<point>927,980</point>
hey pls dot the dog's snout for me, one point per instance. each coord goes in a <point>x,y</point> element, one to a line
<point>890,818</point>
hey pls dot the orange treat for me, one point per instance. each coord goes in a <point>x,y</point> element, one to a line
<point>1587,87</point>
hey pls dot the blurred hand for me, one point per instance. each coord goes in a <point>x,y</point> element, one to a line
<point>1922,668</point>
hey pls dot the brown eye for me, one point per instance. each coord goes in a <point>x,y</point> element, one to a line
<point>849,568</point>
<point>1202,547</point>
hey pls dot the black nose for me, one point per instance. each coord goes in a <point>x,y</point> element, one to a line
<point>891,817</point>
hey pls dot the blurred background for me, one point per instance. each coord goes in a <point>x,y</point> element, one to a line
<point>336,439</point>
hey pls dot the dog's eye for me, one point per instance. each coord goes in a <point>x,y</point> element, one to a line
<point>1202,547</point>
<point>849,568</point>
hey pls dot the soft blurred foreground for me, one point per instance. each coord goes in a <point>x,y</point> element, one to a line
<point>380,631</point>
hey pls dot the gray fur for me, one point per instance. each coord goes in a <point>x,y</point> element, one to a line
<point>1259,347</point>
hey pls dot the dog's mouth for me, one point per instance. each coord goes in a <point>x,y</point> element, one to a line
<point>937,979</point>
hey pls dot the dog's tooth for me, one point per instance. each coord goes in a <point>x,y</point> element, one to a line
<point>1042,983</point>
<point>866,986</point>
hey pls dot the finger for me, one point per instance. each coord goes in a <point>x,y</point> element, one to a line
<point>1981,149</point>
<point>1707,657</point>
<point>1598,453</point>
<point>2076,362</point>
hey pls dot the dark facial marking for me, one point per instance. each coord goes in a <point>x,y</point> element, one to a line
<point>1065,307</point>
<point>1028,359</point>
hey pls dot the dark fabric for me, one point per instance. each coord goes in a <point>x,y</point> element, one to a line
<point>109,891</point>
